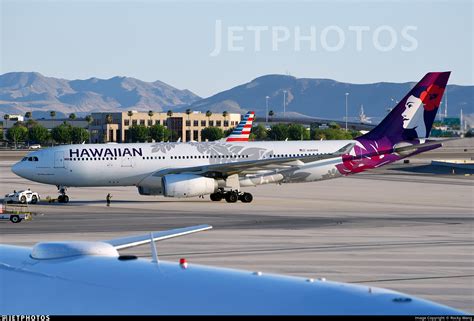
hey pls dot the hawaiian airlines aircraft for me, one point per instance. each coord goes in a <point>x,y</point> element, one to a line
<point>223,168</point>
<point>62,278</point>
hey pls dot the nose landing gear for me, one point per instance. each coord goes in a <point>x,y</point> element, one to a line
<point>62,198</point>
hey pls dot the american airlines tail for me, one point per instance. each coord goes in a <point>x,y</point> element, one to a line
<point>241,133</point>
<point>405,129</point>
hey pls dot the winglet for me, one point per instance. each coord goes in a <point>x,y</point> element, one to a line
<point>131,241</point>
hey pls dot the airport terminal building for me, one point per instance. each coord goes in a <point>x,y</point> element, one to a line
<point>114,127</point>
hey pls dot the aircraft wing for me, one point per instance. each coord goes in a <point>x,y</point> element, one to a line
<point>227,169</point>
<point>131,241</point>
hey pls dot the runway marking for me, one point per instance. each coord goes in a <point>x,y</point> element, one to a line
<point>417,278</point>
<point>386,177</point>
<point>337,247</point>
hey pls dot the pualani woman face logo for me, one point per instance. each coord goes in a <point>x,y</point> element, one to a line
<point>413,116</point>
<point>417,108</point>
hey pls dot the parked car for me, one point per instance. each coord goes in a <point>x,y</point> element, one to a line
<point>26,196</point>
<point>36,146</point>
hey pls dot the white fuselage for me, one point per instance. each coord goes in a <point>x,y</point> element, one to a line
<point>130,164</point>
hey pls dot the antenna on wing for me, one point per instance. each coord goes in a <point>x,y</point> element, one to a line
<point>154,253</point>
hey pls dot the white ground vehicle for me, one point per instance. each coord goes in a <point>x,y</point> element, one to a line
<point>26,196</point>
<point>15,218</point>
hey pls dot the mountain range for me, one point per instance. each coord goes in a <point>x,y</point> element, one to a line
<point>324,98</point>
<point>31,91</point>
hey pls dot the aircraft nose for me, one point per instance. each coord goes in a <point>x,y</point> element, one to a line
<point>17,169</point>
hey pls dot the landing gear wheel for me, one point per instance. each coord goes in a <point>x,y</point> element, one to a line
<point>231,197</point>
<point>15,219</point>
<point>246,198</point>
<point>23,200</point>
<point>34,199</point>
<point>63,198</point>
<point>216,197</point>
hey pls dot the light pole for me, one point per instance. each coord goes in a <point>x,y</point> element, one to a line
<point>394,101</point>
<point>347,94</point>
<point>266,114</point>
<point>284,103</point>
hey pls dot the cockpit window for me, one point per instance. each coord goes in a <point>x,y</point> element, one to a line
<point>24,159</point>
<point>35,159</point>
<point>30,159</point>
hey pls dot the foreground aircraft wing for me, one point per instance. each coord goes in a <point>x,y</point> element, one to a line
<point>227,169</point>
<point>131,241</point>
<point>92,278</point>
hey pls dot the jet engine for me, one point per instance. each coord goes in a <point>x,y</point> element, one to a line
<point>187,185</point>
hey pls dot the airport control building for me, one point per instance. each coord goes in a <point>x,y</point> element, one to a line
<point>113,127</point>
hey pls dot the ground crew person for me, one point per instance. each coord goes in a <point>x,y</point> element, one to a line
<point>108,198</point>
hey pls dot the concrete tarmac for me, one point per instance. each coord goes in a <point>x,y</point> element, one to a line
<point>406,231</point>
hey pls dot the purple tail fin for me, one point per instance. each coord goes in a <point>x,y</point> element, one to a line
<point>413,117</point>
<point>409,123</point>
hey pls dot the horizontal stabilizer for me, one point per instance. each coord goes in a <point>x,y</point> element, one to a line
<point>131,241</point>
<point>403,149</point>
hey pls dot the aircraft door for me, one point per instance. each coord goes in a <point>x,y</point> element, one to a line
<point>59,160</point>
<point>127,161</point>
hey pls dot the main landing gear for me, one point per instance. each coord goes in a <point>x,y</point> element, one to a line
<point>62,198</point>
<point>231,196</point>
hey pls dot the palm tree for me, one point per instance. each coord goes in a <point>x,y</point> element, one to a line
<point>225,114</point>
<point>188,112</point>
<point>89,120</point>
<point>72,116</point>
<point>28,114</point>
<point>52,113</point>
<point>150,113</point>
<point>130,114</point>
<point>108,120</point>
<point>208,115</point>
<point>170,114</point>
<point>6,117</point>
<point>271,113</point>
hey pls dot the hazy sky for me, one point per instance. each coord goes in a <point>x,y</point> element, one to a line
<point>175,42</point>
